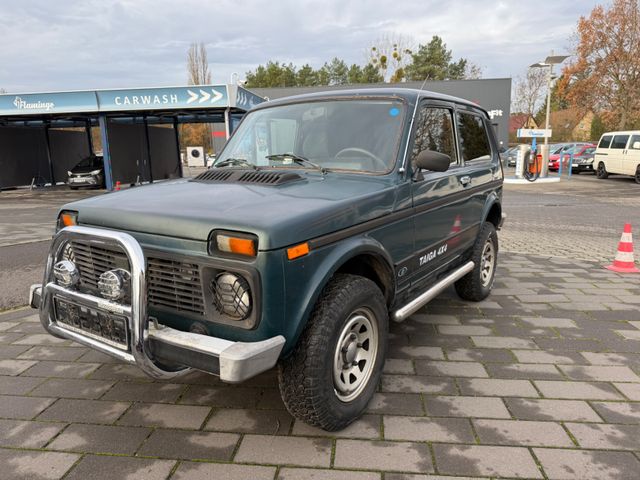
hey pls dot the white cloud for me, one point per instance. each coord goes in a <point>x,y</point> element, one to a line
<point>66,44</point>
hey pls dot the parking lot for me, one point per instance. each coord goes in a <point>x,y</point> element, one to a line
<point>541,380</point>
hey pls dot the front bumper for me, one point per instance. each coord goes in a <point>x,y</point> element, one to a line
<point>150,346</point>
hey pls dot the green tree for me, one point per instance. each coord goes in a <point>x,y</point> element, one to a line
<point>337,71</point>
<point>598,127</point>
<point>273,74</point>
<point>433,61</point>
<point>306,76</point>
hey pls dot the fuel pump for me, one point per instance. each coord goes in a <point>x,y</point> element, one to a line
<point>533,168</point>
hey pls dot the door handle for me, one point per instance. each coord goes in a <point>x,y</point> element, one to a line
<point>465,180</point>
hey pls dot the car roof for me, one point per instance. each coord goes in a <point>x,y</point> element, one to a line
<point>622,132</point>
<point>411,95</point>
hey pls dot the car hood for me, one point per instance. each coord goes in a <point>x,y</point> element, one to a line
<point>279,215</point>
<point>83,170</point>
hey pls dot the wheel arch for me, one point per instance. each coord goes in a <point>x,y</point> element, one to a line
<point>493,211</point>
<point>361,255</point>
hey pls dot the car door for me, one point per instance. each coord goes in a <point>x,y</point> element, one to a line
<point>616,153</point>
<point>631,156</point>
<point>602,152</point>
<point>443,212</point>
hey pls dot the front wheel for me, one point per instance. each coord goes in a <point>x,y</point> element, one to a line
<point>601,171</point>
<point>477,284</point>
<point>335,367</point>
<point>637,176</point>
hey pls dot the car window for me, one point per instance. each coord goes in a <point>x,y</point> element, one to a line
<point>605,141</point>
<point>474,142</point>
<point>85,162</point>
<point>555,149</point>
<point>619,141</point>
<point>434,131</point>
<point>589,150</point>
<point>634,139</point>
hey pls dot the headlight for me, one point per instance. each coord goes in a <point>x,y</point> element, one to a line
<point>67,218</point>
<point>231,295</point>
<point>95,172</point>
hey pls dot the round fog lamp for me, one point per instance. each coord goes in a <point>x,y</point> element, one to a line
<point>66,273</point>
<point>113,284</point>
<point>231,296</point>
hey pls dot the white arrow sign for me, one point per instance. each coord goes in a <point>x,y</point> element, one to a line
<point>214,96</point>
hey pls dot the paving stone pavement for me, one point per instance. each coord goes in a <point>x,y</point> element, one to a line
<point>539,381</point>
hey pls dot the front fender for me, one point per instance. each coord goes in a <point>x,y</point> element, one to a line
<point>306,277</point>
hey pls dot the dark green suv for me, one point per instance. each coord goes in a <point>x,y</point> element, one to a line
<point>324,216</point>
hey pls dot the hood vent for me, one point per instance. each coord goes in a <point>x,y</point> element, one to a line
<point>255,177</point>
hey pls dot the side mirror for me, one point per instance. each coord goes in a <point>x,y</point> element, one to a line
<point>434,161</point>
<point>636,145</point>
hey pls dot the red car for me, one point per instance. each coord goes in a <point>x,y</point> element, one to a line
<point>578,151</point>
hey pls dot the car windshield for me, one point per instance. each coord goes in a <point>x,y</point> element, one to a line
<point>88,162</point>
<point>356,135</point>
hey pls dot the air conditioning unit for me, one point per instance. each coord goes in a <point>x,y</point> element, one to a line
<point>195,157</point>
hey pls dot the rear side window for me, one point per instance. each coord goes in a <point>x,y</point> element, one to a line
<point>434,131</point>
<point>634,139</point>
<point>474,142</point>
<point>605,141</point>
<point>619,141</point>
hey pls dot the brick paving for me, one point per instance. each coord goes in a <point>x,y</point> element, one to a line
<point>531,383</point>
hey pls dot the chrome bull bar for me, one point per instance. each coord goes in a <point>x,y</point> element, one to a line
<point>233,361</point>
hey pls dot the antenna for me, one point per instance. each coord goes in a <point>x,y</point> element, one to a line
<point>425,81</point>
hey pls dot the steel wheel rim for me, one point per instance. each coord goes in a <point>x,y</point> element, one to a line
<point>355,355</point>
<point>487,263</point>
<point>600,169</point>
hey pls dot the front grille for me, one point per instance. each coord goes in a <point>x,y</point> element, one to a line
<point>93,260</point>
<point>174,285</point>
<point>171,284</point>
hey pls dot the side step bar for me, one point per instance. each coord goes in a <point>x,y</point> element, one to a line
<point>424,298</point>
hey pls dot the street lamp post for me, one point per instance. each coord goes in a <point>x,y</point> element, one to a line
<point>549,62</point>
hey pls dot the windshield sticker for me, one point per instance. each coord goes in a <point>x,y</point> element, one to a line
<point>394,112</point>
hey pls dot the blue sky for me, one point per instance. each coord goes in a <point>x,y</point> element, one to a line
<point>84,44</point>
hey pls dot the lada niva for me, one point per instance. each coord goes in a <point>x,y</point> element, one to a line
<point>325,216</point>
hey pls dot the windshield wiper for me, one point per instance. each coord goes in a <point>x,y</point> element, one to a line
<point>235,162</point>
<point>281,157</point>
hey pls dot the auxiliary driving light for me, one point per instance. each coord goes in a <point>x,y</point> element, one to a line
<point>231,295</point>
<point>114,284</point>
<point>66,273</point>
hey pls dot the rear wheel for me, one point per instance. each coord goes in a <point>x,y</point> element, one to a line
<point>601,171</point>
<point>477,284</point>
<point>335,367</point>
<point>637,176</point>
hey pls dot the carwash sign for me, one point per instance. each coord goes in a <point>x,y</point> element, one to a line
<point>127,100</point>
<point>162,98</point>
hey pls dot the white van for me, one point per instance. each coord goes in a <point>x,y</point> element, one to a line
<point>618,152</point>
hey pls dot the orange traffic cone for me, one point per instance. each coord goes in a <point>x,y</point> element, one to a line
<point>623,263</point>
<point>117,187</point>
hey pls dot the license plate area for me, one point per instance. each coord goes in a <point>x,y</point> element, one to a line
<point>106,327</point>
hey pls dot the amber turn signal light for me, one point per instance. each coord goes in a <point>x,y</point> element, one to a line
<point>239,246</point>
<point>298,251</point>
<point>67,219</point>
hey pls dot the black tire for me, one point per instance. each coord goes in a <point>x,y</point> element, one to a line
<point>601,171</point>
<point>306,377</point>
<point>575,172</point>
<point>637,176</point>
<point>477,284</point>
<point>73,188</point>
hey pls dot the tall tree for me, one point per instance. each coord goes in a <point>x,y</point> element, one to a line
<point>273,74</point>
<point>337,71</point>
<point>605,75</point>
<point>198,65</point>
<point>434,61</point>
<point>198,74</point>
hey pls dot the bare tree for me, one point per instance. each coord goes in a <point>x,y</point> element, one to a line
<point>390,54</point>
<point>199,74</point>
<point>198,65</point>
<point>529,91</point>
<point>472,71</point>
